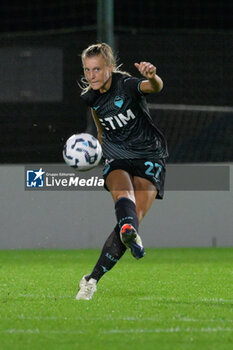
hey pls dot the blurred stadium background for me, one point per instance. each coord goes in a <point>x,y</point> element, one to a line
<point>40,46</point>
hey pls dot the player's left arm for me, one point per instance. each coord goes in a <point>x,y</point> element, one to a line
<point>153,83</point>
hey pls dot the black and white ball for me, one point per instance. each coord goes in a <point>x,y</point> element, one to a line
<point>82,151</point>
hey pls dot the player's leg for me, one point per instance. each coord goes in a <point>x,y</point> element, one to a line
<point>145,193</point>
<point>122,187</point>
<point>120,184</point>
<point>112,251</point>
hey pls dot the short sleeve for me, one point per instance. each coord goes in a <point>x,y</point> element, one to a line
<point>132,86</point>
<point>90,97</point>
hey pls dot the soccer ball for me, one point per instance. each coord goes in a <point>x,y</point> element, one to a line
<point>82,151</point>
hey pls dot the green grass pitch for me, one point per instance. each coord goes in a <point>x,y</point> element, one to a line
<point>171,299</point>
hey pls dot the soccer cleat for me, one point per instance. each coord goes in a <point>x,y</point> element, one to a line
<point>132,240</point>
<point>86,288</point>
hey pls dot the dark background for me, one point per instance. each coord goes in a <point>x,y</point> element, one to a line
<point>40,47</point>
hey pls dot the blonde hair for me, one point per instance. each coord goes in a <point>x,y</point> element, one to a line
<point>95,50</point>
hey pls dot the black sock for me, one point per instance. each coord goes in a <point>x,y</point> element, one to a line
<point>125,210</point>
<point>112,251</point>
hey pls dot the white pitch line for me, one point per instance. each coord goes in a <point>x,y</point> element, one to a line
<point>38,331</point>
<point>46,296</point>
<point>169,330</point>
<point>114,319</point>
<point>216,300</point>
<point>54,318</point>
<point>120,331</point>
<point>28,331</point>
<point>187,319</point>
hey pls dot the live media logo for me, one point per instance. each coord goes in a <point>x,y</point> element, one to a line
<point>61,178</point>
<point>35,178</point>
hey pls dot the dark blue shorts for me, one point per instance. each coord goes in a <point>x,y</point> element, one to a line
<point>152,170</point>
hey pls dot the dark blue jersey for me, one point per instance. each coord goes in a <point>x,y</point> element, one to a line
<point>128,129</point>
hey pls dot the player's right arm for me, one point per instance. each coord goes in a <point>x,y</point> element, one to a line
<point>153,83</point>
<point>98,125</point>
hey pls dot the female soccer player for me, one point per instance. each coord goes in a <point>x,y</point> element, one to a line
<point>133,147</point>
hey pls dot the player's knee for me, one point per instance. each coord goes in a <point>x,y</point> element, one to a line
<point>127,194</point>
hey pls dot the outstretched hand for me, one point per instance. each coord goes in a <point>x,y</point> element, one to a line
<point>147,69</point>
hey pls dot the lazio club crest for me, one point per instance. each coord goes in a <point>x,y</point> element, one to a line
<point>118,101</point>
